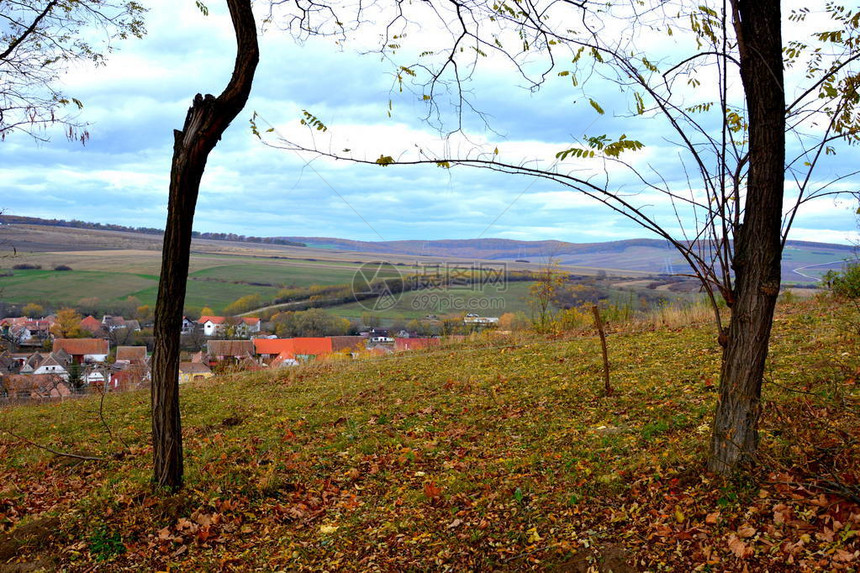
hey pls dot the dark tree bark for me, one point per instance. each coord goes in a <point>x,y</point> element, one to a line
<point>206,121</point>
<point>758,247</point>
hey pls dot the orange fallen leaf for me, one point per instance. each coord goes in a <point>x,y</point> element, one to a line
<point>431,490</point>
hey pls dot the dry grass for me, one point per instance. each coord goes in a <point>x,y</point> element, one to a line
<point>498,453</point>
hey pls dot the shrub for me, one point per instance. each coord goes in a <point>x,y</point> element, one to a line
<point>62,268</point>
<point>845,283</point>
<point>26,267</point>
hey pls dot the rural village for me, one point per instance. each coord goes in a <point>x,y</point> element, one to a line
<point>35,363</point>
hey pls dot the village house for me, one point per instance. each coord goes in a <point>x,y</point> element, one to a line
<point>92,325</point>
<point>18,386</point>
<point>289,350</point>
<point>83,350</point>
<point>241,327</point>
<point>133,376</point>
<point>23,331</point>
<point>188,326</point>
<point>56,364</point>
<point>96,375</point>
<point>130,354</point>
<point>112,323</point>
<point>191,371</point>
<point>231,351</point>
<point>8,363</point>
<point>474,319</point>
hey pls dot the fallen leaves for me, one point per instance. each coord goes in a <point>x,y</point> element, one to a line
<point>475,458</point>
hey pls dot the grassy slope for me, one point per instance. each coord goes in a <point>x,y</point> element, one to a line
<point>489,455</point>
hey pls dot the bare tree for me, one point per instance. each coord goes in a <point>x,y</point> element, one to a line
<point>207,119</point>
<point>38,40</point>
<point>718,83</point>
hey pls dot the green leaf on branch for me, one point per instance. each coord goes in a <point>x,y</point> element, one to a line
<point>385,160</point>
<point>623,144</point>
<point>603,144</point>
<point>577,152</point>
<point>640,103</point>
<point>596,106</point>
<point>312,121</point>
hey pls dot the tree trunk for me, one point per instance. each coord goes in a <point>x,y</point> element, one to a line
<point>206,121</point>
<point>758,248</point>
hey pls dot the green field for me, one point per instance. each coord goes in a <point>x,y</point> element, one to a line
<point>67,287</point>
<point>486,301</point>
<point>281,273</point>
<point>215,281</point>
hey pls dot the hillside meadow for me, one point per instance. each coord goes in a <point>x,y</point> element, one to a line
<point>495,454</point>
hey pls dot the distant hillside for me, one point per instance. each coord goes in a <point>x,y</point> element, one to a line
<point>75,224</point>
<point>803,261</point>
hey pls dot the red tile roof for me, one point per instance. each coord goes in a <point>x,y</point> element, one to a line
<point>212,319</point>
<point>233,348</point>
<point>292,347</point>
<point>273,346</point>
<point>401,344</point>
<point>131,353</point>
<point>81,346</point>
<point>312,346</point>
<point>91,324</point>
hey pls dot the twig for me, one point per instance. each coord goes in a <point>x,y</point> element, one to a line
<point>101,414</point>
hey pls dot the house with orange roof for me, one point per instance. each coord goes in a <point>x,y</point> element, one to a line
<point>309,348</point>
<point>302,349</point>
<point>83,349</point>
<point>92,325</point>
<point>212,325</point>
<point>268,348</point>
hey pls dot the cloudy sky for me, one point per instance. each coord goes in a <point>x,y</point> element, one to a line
<point>134,103</point>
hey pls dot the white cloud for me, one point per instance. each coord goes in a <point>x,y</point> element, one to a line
<point>137,100</point>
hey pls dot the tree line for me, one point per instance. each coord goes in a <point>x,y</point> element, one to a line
<point>76,224</point>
